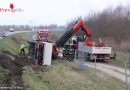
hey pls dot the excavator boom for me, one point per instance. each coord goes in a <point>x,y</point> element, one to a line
<point>75,28</point>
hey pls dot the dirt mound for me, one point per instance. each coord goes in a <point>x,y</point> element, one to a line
<point>14,64</point>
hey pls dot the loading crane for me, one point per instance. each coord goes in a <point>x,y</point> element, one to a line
<point>87,47</point>
<point>79,25</point>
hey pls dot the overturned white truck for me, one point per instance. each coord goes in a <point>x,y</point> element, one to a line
<point>40,49</point>
<point>43,53</point>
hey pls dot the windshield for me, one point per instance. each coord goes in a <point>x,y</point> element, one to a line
<point>43,35</point>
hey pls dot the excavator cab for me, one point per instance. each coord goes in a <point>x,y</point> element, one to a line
<point>70,47</point>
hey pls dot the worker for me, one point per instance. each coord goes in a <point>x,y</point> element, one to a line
<point>75,44</point>
<point>60,53</point>
<point>100,43</point>
<point>22,47</point>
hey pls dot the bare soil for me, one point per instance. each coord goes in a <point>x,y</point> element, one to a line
<point>14,64</point>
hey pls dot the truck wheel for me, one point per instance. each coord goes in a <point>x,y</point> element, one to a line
<point>115,56</point>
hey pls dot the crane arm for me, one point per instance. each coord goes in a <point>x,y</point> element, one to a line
<point>75,28</point>
<point>81,24</point>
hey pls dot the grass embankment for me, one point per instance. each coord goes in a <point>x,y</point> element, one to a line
<point>12,43</point>
<point>122,57</point>
<point>68,76</point>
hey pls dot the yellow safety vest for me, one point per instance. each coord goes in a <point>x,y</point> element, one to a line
<point>22,46</point>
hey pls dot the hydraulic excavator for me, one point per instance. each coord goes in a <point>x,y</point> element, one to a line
<point>90,50</point>
<point>79,25</point>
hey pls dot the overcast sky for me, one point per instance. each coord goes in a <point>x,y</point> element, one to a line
<point>42,12</point>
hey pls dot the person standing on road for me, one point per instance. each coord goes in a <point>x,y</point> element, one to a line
<point>22,49</point>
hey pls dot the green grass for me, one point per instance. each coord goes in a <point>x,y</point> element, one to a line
<point>122,57</point>
<point>67,76</point>
<point>35,83</point>
<point>12,43</point>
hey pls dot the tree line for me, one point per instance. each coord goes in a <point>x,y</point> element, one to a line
<point>112,25</point>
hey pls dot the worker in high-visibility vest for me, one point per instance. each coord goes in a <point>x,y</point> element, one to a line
<point>22,49</point>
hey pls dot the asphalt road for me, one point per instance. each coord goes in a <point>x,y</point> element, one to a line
<point>15,32</point>
<point>8,33</point>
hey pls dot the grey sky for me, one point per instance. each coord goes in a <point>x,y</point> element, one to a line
<point>42,12</point>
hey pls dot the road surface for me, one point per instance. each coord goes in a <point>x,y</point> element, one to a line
<point>15,32</point>
<point>114,71</point>
<point>8,33</point>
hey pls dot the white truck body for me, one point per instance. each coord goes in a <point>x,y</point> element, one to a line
<point>47,53</point>
<point>94,50</point>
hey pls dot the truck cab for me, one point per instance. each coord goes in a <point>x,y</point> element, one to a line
<point>70,47</point>
<point>42,35</point>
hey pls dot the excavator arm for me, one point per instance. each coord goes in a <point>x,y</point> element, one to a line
<point>75,28</point>
<point>81,24</point>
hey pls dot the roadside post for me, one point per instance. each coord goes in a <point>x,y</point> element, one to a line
<point>126,77</point>
<point>95,64</point>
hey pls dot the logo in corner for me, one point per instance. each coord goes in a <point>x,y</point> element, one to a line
<point>11,5</point>
<point>11,8</point>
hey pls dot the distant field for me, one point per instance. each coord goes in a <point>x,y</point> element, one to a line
<point>65,75</point>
